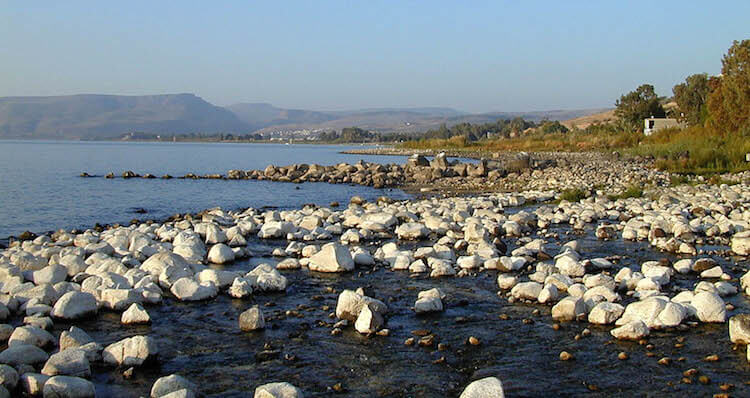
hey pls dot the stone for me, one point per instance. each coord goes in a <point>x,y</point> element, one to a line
<point>527,290</point>
<point>70,362</point>
<point>252,319</point>
<point>51,274</point>
<point>240,288</point>
<point>470,262</point>
<point>132,351</point>
<point>605,313</point>
<point>569,309</point>
<point>169,384</point>
<point>23,354</point>
<point>8,377</point>
<point>429,301</point>
<point>75,305</point>
<point>188,289</point>
<point>709,307</point>
<point>332,257</point>
<point>74,337</point>
<point>741,243</point>
<point>266,278</point>
<point>489,387</point>
<point>506,282</point>
<point>33,383</point>
<point>220,254</point>
<point>120,299</point>
<point>278,390</point>
<point>412,231</point>
<point>739,329</point>
<point>368,321</point>
<point>68,387</point>
<point>548,294</point>
<point>135,314</point>
<point>350,304</point>
<point>634,330</point>
<point>31,335</point>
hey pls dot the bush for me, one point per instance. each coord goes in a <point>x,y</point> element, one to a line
<point>573,195</point>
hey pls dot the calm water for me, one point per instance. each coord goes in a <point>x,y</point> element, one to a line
<point>40,189</point>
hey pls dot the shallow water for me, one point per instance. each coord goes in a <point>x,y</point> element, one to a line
<point>41,189</point>
<point>202,341</point>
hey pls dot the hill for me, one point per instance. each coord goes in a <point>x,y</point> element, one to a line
<point>94,116</point>
<point>586,120</point>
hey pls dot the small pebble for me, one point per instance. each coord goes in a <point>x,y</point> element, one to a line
<point>555,326</point>
<point>623,356</point>
<point>711,358</point>
<point>566,356</point>
<point>665,361</point>
<point>703,379</point>
<point>474,341</point>
<point>409,341</point>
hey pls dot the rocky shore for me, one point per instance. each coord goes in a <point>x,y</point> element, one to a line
<point>506,173</point>
<point>694,272</point>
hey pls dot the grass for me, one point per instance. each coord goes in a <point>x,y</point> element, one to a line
<point>573,195</point>
<point>632,191</point>
<point>695,150</point>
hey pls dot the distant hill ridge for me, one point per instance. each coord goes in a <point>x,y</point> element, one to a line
<point>97,116</point>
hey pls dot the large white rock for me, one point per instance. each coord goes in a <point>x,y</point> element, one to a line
<point>350,304</point>
<point>709,307</point>
<point>605,313</point>
<point>68,387</point>
<point>31,335</point>
<point>51,274</point>
<point>278,390</point>
<point>266,278</point>
<point>188,289</point>
<point>132,351</point>
<point>157,263</point>
<point>505,281</point>
<point>120,299</point>
<point>470,262</point>
<point>429,301</point>
<point>569,309</point>
<point>75,305</point>
<point>489,387</point>
<point>741,243</point>
<point>135,314</point>
<point>634,330</point>
<point>220,254</point>
<point>527,290</point>
<point>569,265</point>
<point>332,257</point>
<point>412,231</point>
<point>169,384</point>
<point>739,329</point>
<point>368,321</point>
<point>548,294</point>
<point>240,288</point>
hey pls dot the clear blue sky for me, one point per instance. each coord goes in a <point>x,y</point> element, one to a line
<point>474,55</point>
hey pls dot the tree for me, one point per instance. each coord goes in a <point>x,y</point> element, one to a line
<point>691,99</point>
<point>729,101</point>
<point>637,105</point>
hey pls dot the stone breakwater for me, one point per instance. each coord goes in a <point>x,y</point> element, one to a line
<point>509,172</point>
<point>530,248</point>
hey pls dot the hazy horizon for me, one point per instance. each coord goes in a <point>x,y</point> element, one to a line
<point>477,57</point>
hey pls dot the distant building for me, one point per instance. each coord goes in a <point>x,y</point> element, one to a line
<point>654,124</point>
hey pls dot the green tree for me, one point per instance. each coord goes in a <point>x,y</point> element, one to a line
<point>637,105</point>
<point>691,99</point>
<point>729,101</point>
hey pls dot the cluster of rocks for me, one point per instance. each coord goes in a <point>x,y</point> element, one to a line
<point>126,269</point>
<point>520,171</point>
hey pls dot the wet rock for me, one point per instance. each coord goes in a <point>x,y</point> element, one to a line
<point>527,290</point>
<point>74,337</point>
<point>332,257</point>
<point>741,243</point>
<point>739,329</point>
<point>120,299</point>
<point>23,354</point>
<point>351,303</point>
<point>132,351</point>
<point>75,305</point>
<point>569,309</point>
<point>8,377</point>
<point>187,289</point>
<point>170,384</point>
<point>135,314</point>
<point>33,383</point>
<point>605,313</point>
<point>709,307</point>
<point>368,321</point>
<point>240,288</point>
<point>70,362</point>
<point>489,387</point>
<point>31,335</point>
<point>68,387</point>
<point>429,301</point>
<point>634,330</point>
<point>412,231</point>
<point>252,319</point>
<point>220,254</point>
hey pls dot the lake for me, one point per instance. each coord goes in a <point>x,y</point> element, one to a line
<point>42,190</point>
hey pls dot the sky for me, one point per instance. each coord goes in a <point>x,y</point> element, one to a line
<point>474,56</point>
